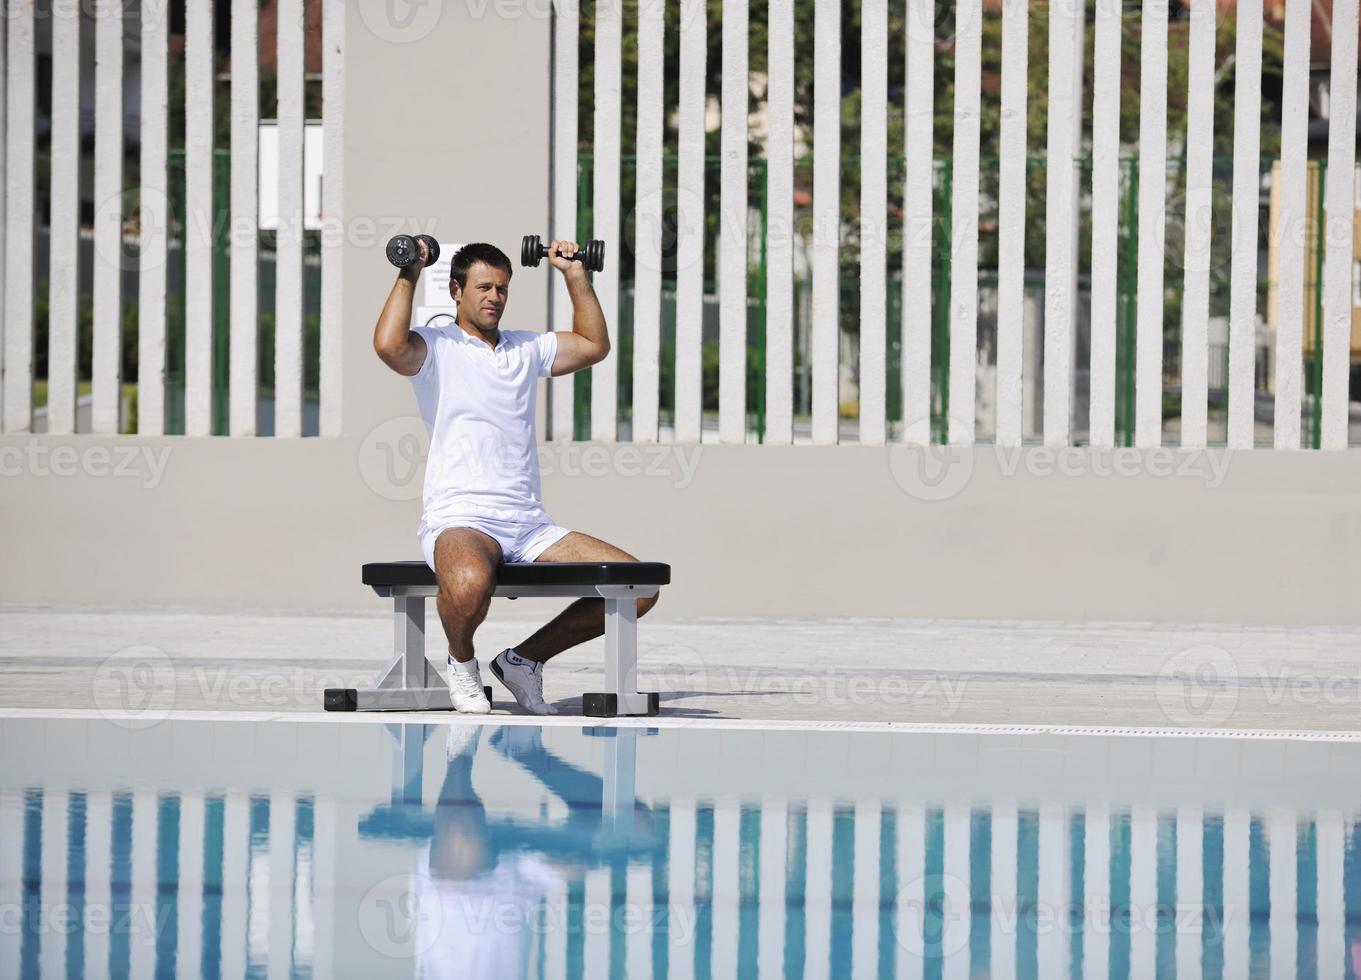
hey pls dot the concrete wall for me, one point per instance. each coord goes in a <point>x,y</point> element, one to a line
<point>448,130</point>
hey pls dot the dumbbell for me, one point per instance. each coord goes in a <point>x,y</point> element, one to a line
<point>403,250</point>
<point>532,251</point>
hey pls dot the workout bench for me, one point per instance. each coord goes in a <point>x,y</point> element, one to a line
<point>411,683</point>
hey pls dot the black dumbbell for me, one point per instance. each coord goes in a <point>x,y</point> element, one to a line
<point>532,251</point>
<point>403,250</point>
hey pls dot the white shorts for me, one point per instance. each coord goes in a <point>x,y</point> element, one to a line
<point>519,541</point>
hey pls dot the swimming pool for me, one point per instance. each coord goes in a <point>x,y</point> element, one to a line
<point>234,848</point>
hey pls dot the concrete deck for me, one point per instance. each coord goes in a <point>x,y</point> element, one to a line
<point>155,664</point>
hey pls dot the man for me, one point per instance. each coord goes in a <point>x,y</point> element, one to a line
<point>476,386</point>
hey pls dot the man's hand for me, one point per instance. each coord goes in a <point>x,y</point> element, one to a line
<point>395,344</point>
<point>558,251</point>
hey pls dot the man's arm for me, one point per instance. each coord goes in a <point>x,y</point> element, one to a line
<point>396,345</point>
<point>588,342</point>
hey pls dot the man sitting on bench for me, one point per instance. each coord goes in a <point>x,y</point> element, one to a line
<point>476,386</point>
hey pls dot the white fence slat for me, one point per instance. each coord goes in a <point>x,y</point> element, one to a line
<point>910,913</point>
<point>1143,888</point>
<point>326,859</point>
<point>235,883</point>
<point>1011,224</point>
<point>690,220</point>
<point>1331,904</point>
<point>873,220</point>
<point>1002,886</point>
<point>817,902</point>
<point>19,136</point>
<point>1237,890</point>
<point>640,922</point>
<point>647,294</point>
<point>54,864</point>
<point>282,870</point>
<point>955,860</point>
<point>865,887</point>
<point>964,222</point>
<point>773,870</point>
<point>189,890</point>
<point>1195,308</point>
<point>245,209</point>
<point>146,818</point>
<point>1052,945</point>
<point>98,880</point>
<point>566,26</point>
<point>1340,210</point>
<point>107,356</point>
<point>1282,834</point>
<point>681,877</point>
<point>609,26</point>
<point>1060,254</point>
<point>288,298</point>
<point>1190,883</point>
<point>918,149</point>
<point>732,228</point>
<point>331,378</point>
<point>1148,368</point>
<point>1105,220</point>
<point>1291,228</point>
<point>780,226</point>
<point>826,331</point>
<point>1096,892</point>
<point>726,897</point>
<point>153,219</point>
<point>1247,140</point>
<point>199,217</point>
<point>63,281</point>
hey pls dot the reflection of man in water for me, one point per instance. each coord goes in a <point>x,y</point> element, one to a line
<point>480,883</point>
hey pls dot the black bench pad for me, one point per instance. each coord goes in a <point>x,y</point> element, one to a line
<point>409,573</point>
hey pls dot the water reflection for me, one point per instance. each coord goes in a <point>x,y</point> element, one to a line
<point>452,851</point>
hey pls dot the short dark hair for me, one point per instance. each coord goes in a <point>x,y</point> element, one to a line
<point>469,255</point>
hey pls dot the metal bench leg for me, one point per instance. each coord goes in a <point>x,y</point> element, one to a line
<point>409,682</point>
<point>621,659</point>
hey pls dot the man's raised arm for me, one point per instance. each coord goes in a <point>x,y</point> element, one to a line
<point>588,342</point>
<point>396,345</point>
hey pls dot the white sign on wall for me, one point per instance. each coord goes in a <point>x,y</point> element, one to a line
<point>435,298</point>
<point>311,176</point>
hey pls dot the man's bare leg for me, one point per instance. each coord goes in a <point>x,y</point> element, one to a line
<point>584,619</point>
<point>465,568</point>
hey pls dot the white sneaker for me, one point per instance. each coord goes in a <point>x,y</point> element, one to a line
<point>461,740</point>
<point>524,679</point>
<point>465,687</point>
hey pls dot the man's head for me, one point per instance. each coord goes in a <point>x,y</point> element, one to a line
<point>479,282</point>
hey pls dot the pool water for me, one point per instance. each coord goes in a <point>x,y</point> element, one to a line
<point>360,849</point>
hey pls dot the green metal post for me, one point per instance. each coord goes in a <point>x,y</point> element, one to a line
<point>221,290</point>
<point>1316,380</point>
<point>581,400</point>
<point>941,308</point>
<point>760,353</point>
<point>1128,277</point>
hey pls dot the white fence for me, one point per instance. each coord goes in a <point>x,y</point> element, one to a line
<point>1066,141</point>
<point>146,221</point>
<point>156,229</point>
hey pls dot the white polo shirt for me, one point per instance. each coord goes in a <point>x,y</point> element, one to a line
<point>478,406</point>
